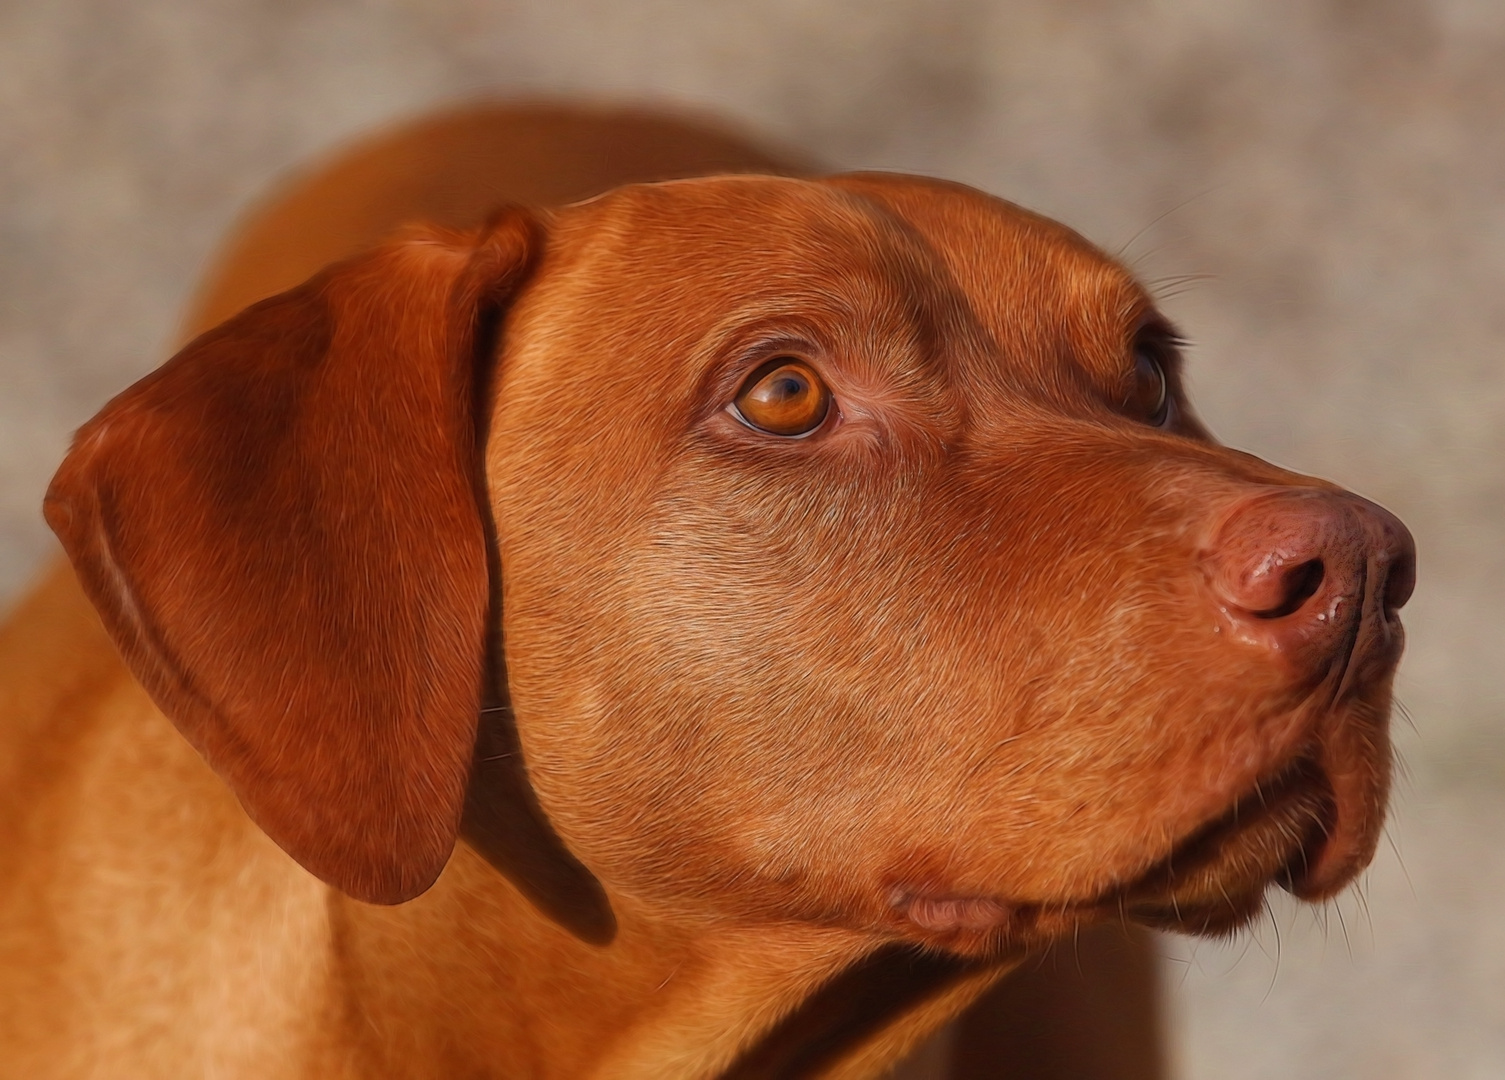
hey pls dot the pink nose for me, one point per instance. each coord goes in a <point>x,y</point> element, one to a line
<point>1303,571</point>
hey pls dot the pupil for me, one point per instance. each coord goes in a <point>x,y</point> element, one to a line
<point>789,386</point>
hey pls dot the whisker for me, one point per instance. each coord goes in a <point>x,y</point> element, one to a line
<point>1400,707</point>
<point>1122,253</point>
<point>1400,861</point>
<point>1178,279</point>
<point>667,977</point>
<point>1163,296</point>
<point>1347,942</point>
<point>1361,897</point>
<point>1275,928</point>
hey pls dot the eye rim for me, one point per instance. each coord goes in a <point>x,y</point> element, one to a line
<point>770,366</point>
<point>1154,354</point>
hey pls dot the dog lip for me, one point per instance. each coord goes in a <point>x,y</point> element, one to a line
<point>1213,878</point>
<point>1284,824</point>
<point>1308,869</point>
<point>1374,643</point>
<point>950,913</point>
<point>1339,843</point>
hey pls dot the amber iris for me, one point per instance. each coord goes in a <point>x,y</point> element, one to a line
<point>784,397</point>
<point>1150,395</point>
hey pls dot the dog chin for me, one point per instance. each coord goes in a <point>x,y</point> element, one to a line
<point>1310,826</point>
<point>1285,831</point>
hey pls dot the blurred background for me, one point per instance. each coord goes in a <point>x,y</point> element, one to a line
<point>1330,173</point>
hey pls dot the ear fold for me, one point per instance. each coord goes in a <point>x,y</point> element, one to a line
<point>281,528</point>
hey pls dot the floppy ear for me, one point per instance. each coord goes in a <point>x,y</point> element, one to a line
<point>282,530</point>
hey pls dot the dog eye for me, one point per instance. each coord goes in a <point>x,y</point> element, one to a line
<point>1149,397</point>
<point>783,397</point>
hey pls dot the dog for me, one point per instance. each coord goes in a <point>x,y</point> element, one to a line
<point>709,628</point>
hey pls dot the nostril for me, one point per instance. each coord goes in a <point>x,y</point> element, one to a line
<point>1401,581</point>
<point>1299,583</point>
<point>1314,577</point>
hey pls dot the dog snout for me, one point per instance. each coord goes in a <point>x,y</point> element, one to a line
<point>1298,572</point>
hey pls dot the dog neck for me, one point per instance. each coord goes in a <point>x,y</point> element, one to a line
<point>471,979</point>
<point>519,963</point>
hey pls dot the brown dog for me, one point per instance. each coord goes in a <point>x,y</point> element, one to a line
<point>849,599</point>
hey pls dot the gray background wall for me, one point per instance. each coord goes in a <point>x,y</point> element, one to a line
<point>1336,169</point>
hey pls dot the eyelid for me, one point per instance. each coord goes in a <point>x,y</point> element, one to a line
<point>1154,343</point>
<point>736,348</point>
<point>740,358</point>
<point>1161,338</point>
<point>825,422</point>
<point>813,381</point>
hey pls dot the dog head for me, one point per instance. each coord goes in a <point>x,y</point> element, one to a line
<point>849,547</point>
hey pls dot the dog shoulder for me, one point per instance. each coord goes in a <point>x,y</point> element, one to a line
<point>135,896</point>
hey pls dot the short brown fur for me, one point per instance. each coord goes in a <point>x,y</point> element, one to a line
<point>973,666</point>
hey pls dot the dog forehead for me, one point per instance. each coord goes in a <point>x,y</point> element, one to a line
<point>650,283</point>
<point>704,202</point>
<point>1026,276</point>
<point>726,236</point>
<point>1039,289</point>
<point>988,245</point>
